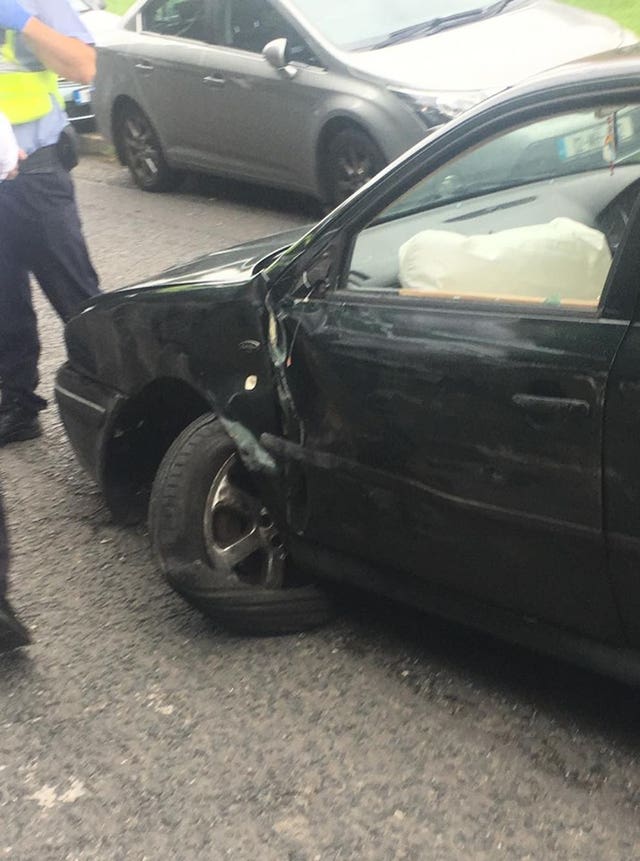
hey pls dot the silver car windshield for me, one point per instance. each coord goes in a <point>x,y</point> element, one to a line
<point>360,24</point>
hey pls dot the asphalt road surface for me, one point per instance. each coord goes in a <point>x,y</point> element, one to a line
<point>134,729</point>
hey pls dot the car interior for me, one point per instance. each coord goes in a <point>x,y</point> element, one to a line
<point>186,19</point>
<point>249,25</point>
<point>516,220</point>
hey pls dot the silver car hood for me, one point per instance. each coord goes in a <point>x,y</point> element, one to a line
<point>487,56</point>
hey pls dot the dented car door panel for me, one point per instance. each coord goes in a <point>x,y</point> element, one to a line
<point>438,471</point>
<point>621,468</point>
<point>457,438</point>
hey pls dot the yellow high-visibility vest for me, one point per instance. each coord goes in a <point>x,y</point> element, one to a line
<point>24,95</point>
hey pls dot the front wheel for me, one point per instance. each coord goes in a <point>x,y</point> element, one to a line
<point>352,158</point>
<point>218,545</point>
<point>139,145</point>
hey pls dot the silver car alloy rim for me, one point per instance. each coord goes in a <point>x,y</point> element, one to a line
<point>141,147</point>
<point>240,537</point>
<point>355,167</point>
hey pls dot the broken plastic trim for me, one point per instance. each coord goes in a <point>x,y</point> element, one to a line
<point>252,454</point>
<point>279,352</point>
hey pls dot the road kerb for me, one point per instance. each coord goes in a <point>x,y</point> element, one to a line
<point>93,143</point>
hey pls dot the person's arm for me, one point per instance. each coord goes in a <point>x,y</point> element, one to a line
<point>64,55</point>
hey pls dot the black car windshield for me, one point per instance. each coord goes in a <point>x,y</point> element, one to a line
<point>360,24</point>
<point>548,150</point>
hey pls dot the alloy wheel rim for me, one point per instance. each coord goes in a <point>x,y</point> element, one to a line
<point>355,165</point>
<point>142,151</point>
<point>241,539</point>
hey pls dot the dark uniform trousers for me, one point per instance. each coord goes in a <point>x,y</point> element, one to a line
<point>40,233</point>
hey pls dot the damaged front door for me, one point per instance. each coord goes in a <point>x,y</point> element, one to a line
<point>455,438</point>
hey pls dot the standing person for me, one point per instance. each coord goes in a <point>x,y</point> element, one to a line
<point>40,231</point>
<point>12,632</point>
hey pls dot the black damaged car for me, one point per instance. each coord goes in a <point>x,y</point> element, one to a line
<point>433,394</point>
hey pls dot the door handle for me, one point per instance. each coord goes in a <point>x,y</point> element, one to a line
<point>215,79</point>
<point>144,67</point>
<point>539,405</point>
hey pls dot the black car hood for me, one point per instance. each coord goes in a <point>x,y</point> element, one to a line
<point>229,266</point>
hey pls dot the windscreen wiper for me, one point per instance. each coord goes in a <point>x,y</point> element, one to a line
<point>428,28</point>
<point>435,25</point>
<point>497,8</point>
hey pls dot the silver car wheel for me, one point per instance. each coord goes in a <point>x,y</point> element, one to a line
<point>241,538</point>
<point>352,159</point>
<point>142,151</point>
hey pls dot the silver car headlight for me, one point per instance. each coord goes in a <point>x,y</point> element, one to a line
<point>434,109</point>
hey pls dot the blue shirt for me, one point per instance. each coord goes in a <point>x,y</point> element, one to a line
<point>58,15</point>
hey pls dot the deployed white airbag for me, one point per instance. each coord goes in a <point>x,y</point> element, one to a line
<point>562,260</point>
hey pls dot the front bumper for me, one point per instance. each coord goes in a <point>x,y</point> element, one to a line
<point>87,410</point>
<point>78,101</point>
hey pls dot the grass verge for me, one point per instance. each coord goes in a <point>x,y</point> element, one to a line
<point>118,6</point>
<point>627,12</point>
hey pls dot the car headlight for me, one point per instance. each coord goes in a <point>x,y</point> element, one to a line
<point>434,109</point>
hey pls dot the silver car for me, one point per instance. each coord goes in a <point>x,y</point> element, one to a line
<point>315,96</point>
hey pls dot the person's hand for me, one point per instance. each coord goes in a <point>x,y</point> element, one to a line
<point>9,149</point>
<point>13,173</point>
<point>13,16</point>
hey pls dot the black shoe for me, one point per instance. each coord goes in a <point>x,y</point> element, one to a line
<point>18,423</point>
<point>13,633</point>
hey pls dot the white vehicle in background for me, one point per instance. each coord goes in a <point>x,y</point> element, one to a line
<point>78,97</point>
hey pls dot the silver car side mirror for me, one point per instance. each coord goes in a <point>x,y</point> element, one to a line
<point>275,53</point>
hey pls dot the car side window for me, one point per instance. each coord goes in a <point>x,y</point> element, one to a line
<point>534,216</point>
<point>186,19</point>
<point>252,24</point>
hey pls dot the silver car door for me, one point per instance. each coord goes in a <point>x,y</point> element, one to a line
<point>168,70</point>
<point>260,120</point>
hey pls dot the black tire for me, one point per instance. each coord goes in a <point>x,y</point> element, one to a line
<point>137,142</point>
<point>203,515</point>
<point>352,158</point>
